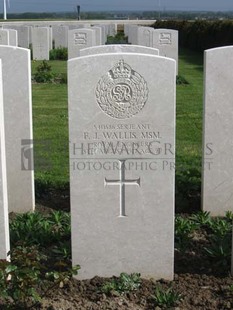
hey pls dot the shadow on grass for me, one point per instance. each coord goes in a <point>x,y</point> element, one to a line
<point>53,195</point>
<point>192,57</point>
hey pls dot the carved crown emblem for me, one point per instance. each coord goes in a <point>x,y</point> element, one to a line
<point>122,92</point>
<point>121,70</point>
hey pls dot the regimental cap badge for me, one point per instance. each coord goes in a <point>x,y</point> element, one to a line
<point>122,92</point>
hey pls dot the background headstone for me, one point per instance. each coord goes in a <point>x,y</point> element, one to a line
<point>16,72</point>
<point>60,36</point>
<point>166,40</point>
<point>232,254</point>
<point>23,36</point>
<point>118,48</point>
<point>98,35</point>
<point>78,26</point>
<point>133,34</point>
<point>40,43</point>
<point>13,37</point>
<point>79,39</point>
<point>4,37</point>
<point>4,222</point>
<point>145,36</point>
<point>104,33</point>
<point>50,38</point>
<point>217,177</point>
<point>122,189</point>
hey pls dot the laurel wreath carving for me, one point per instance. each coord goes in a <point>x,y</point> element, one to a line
<point>109,107</point>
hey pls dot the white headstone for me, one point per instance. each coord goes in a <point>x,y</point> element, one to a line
<point>104,33</point>
<point>79,39</point>
<point>111,30</point>
<point>60,36</point>
<point>13,37</point>
<point>126,30</point>
<point>40,43</point>
<point>118,48</point>
<point>50,38</point>
<point>30,35</point>
<point>133,34</point>
<point>232,253</point>
<point>98,35</point>
<point>4,37</point>
<point>122,135</point>
<point>4,223</point>
<point>217,178</point>
<point>166,40</point>
<point>16,71</point>
<point>78,26</point>
<point>23,36</point>
<point>145,36</point>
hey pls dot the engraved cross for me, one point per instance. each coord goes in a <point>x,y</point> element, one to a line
<point>122,182</point>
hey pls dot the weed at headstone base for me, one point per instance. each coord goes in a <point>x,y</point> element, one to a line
<point>43,73</point>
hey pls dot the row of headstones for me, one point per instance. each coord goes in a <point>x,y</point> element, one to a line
<point>41,38</point>
<point>165,40</point>
<point>122,137</point>
<point>8,37</point>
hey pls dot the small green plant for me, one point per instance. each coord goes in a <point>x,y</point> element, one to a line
<point>220,227</point>
<point>24,280</point>
<point>229,216</point>
<point>202,218</point>
<point>60,53</point>
<point>19,278</point>
<point>183,230</point>
<point>44,73</point>
<point>60,278</point>
<point>124,284</point>
<point>119,38</point>
<point>34,229</point>
<point>165,298</point>
<point>220,251</point>
<point>180,80</point>
<point>188,182</point>
<point>62,251</point>
<point>61,78</point>
<point>220,238</point>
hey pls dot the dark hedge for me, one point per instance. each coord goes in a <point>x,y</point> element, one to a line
<point>201,35</point>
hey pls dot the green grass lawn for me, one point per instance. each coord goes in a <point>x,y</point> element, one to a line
<point>56,65</point>
<point>50,121</point>
<point>50,117</point>
<point>189,109</point>
<point>189,106</point>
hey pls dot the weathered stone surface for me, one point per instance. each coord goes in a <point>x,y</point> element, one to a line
<point>4,37</point>
<point>217,178</point>
<point>166,40</point>
<point>23,36</point>
<point>60,36</point>
<point>122,137</point>
<point>40,43</point>
<point>13,37</point>
<point>145,36</point>
<point>16,71</point>
<point>4,223</point>
<point>118,48</point>
<point>79,39</point>
<point>98,34</point>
